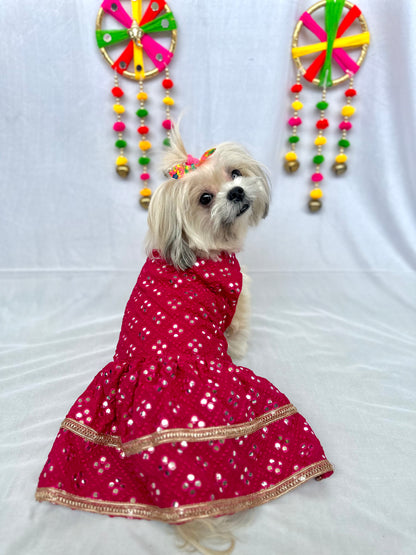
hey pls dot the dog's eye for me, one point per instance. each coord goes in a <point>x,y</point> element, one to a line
<point>236,173</point>
<point>205,199</point>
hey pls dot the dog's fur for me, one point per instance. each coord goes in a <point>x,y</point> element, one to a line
<point>181,229</point>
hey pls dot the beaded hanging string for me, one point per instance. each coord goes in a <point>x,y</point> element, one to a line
<point>168,101</point>
<point>292,162</point>
<point>331,51</point>
<point>136,31</point>
<point>347,111</point>
<point>318,159</point>
<point>119,126</point>
<point>144,145</point>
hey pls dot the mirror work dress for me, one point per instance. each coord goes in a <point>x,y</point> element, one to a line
<point>171,429</point>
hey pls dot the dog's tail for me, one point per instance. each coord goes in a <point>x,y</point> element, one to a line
<point>211,536</point>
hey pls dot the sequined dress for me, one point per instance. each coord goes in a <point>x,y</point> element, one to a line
<point>172,429</point>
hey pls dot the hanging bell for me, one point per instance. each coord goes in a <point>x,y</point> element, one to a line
<point>314,205</point>
<point>123,170</point>
<point>339,168</point>
<point>144,202</point>
<point>291,165</point>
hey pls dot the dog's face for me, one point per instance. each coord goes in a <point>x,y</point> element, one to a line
<point>210,209</point>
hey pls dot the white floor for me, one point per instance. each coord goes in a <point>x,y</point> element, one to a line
<point>340,345</point>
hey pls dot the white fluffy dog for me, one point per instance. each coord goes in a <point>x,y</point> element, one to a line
<point>204,213</point>
<point>207,212</point>
<point>202,447</point>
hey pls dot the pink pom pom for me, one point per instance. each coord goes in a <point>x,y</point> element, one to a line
<point>345,125</point>
<point>167,124</point>
<point>145,176</point>
<point>317,177</point>
<point>294,121</point>
<point>119,126</point>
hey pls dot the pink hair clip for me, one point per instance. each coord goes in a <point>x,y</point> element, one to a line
<point>179,170</point>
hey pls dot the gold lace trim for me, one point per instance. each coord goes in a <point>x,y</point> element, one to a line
<point>91,435</point>
<point>176,515</point>
<point>178,434</point>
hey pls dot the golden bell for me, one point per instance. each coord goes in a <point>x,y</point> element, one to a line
<point>123,170</point>
<point>339,168</point>
<point>291,165</point>
<point>314,205</point>
<point>144,202</point>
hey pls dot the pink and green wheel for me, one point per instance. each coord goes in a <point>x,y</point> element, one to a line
<point>142,55</point>
<point>335,48</point>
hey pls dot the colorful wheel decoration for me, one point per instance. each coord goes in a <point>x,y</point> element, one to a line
<point>330,57</point>
<point>142,57</point>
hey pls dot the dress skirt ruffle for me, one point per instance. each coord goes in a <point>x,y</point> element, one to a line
<point>172,429</point>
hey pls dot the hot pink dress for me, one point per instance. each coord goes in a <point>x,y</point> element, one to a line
<point>172,429</point>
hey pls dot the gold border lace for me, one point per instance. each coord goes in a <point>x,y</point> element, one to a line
<point>178,434</point>
<point>177,515</point>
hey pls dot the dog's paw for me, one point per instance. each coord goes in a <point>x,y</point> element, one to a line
<point>237,342</point>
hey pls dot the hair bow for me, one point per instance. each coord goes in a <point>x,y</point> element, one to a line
<point>179,170</point>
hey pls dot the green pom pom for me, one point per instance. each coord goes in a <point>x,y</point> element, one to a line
<point>293,139</point>
<point>322,105</point>
<point>142,112</point>
<point>144,160</point>
<point>318,159</point>
<point>120,143</point>
<point>344,143</point>
<point>166,142</point>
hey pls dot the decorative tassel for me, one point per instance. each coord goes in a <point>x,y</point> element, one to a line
<point>330,51</point>
<point>291,159</point>
<point>157,18</point>
<point>347,111</point>
<point>122,166</point>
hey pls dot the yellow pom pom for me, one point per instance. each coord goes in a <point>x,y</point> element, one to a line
<point>297,105</point>
<point>341,158</point>
<point>320,140</point>
<point>146,192</point>
<point>168,101</point>
<point>316,193</point>
<point>291,155</point>
<point>347,110</point>
<point>145,145</point>
<point>121,161</point>
<point>142,96</point>
<point>118,108</point>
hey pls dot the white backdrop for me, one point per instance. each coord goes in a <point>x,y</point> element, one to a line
<point>334,293</point>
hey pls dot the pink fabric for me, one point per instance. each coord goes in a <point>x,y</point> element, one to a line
<point>171,370</point>
<point>345,61</point>
<point>191,160</point>
<point>114,8</point>
<point>159,55</point>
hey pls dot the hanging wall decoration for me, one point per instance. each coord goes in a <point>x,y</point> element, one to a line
<point>139,57</point>
<point>330,67</point>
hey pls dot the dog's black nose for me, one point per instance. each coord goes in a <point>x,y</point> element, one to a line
<point>236,194</point>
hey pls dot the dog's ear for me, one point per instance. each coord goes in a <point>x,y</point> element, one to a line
<point>263,200</point>
<point>166,234</point>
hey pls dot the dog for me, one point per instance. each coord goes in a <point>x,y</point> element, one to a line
<point>201,214</point>
<point>172,429</point>
<point>207,212</point>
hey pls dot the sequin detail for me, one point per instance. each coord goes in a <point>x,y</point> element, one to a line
<point>169,436</point>
<point>177,515</point>
<point>171,428</point>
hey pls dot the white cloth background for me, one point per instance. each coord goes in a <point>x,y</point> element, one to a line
<point>333,321</point>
